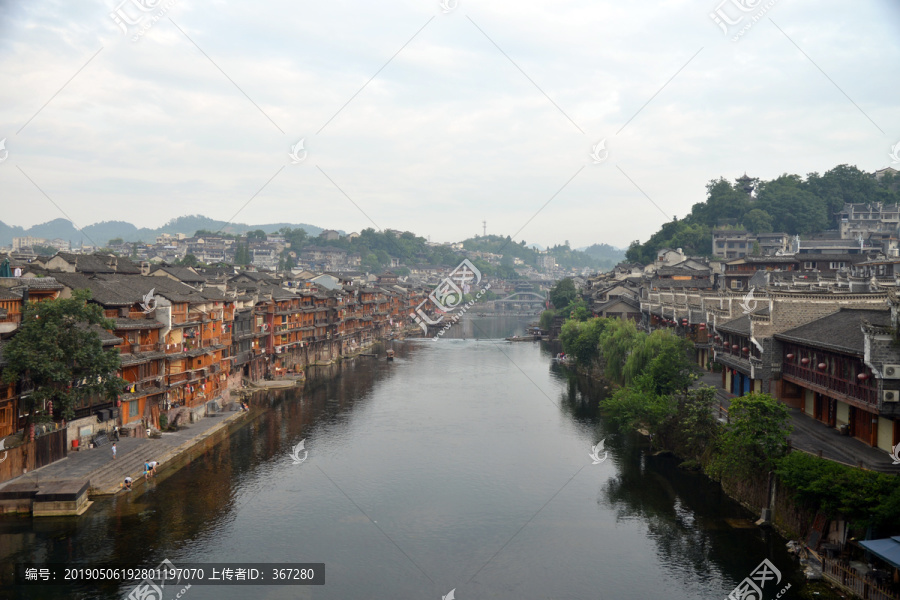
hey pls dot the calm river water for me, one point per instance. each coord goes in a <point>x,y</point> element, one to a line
<point>463,465</point>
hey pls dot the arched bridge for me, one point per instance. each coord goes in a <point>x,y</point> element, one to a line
<point>520,302</point>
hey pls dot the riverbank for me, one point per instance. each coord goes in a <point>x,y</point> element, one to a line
<point>95,472</point>
<point>414,465</point>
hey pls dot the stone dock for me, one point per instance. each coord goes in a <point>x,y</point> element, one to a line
<point>65,487</point>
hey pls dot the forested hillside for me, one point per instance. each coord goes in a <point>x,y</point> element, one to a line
<point>789,203</point>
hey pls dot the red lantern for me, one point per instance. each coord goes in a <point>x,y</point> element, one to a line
<point>790,357</point>
<point>745,349</point>
<point>734,346</point>
<point>822,366</point>
<point>805,361</point>
<point>862,376</point>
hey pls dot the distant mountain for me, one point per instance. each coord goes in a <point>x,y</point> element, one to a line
<point>605,252</point>
<point>101,233</point>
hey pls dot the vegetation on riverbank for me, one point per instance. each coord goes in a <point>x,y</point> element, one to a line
<point>656,392</point>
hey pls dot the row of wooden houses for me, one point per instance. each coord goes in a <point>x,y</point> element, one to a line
<point>185,336</point>
<point>818,332</point>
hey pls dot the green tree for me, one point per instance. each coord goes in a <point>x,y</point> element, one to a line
<point>57,350</point>
<point>618,340</point>
<point>758,221</point>
<point>756,436</point>
<point>115,242</point>
<point>662,358</point>
<point>241,253</point>
<point>189,260</point>
<point>795,209</point>
<point>256,234</point>
<point>562,294</point>
<point>581,339</point>
<point>43,250</point>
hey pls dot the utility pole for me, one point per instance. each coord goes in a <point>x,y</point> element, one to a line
<point>484,228</point>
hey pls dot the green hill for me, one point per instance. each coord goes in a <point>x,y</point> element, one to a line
<point>789,203</point>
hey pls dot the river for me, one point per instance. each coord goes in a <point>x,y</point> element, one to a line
<point>462,465</point>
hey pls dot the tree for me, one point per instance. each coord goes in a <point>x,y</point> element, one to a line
<point>662,359</point>
<point>242,254</point>
<point>794,208</point>
<point>115,242</point>
<point>562,294</point>
<point>57,351</point>
<point>758,221</point>
<point>581,338</point>
<point>43,250</point>
<point>756,436</point>
<point>618,340</point>
<point>256,234</point>
<point>189,260</point>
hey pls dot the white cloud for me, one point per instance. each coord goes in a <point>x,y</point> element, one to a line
<point>450,132</point>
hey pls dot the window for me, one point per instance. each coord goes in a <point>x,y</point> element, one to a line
<point>809,265</point>
<point>736,285</point>
<point>731,244</point>
<point>133,408</point>
<point>838,265</point>
<point>720,244</point>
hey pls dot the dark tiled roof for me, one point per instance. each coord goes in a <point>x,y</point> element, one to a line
<point>138,324</point>
<point>183,274</point>
<point>768,259</point>
<point>254,276</point>
<point>739,326</point>
<point>614,301</point>
<point>840,331</point>
<point>37,283</point>
<point>102,291</point>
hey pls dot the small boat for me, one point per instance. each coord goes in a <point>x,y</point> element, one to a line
<point>390,354</point>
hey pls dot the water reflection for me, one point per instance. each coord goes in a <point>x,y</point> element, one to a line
<point>461,464</point>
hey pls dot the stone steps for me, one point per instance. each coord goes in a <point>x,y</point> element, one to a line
<point>108,479</point>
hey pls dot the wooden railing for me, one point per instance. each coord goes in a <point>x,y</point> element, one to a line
<point>836,384</point>
<point>850,581</point>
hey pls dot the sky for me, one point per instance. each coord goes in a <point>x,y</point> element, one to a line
<point>581,121</point>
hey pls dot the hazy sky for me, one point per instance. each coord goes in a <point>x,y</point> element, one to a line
<point>432,118</point>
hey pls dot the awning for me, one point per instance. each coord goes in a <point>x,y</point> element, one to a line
<point>887,549</point>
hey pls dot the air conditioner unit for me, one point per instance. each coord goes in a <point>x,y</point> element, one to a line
<point>892,371</point>
<point>890,396</point>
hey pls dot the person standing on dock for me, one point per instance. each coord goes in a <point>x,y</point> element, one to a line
<point>114,450</point>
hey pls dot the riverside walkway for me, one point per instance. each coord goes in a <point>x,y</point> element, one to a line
<point>105,474</point>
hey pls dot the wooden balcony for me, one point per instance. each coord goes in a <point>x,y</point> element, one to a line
<point>831,385</point>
